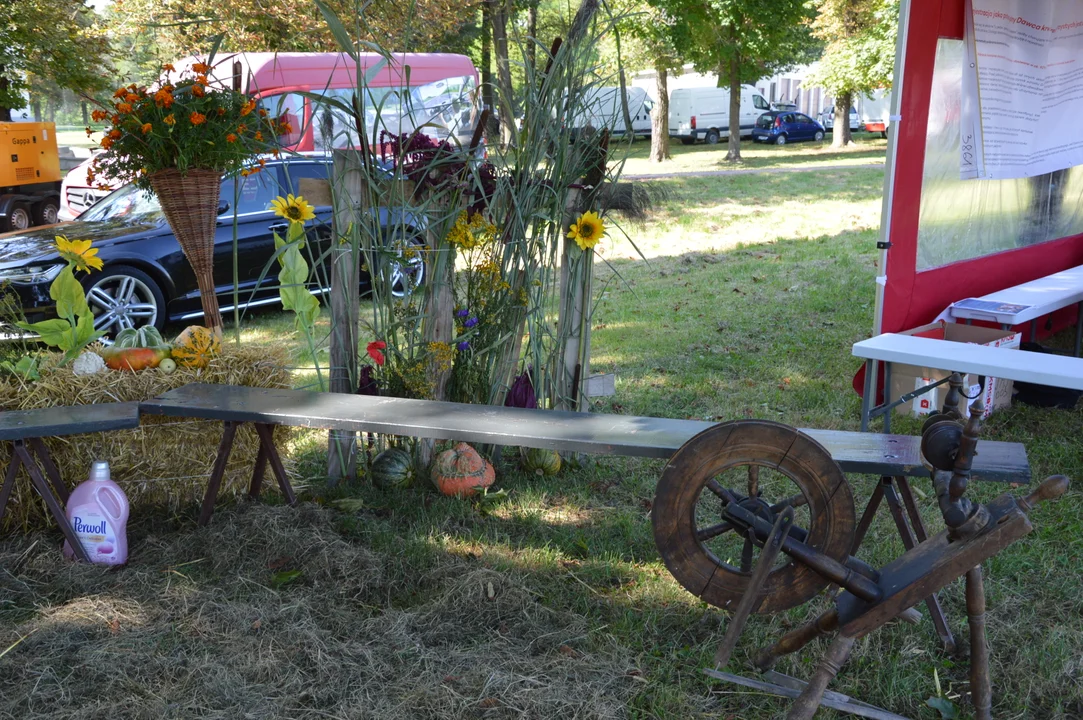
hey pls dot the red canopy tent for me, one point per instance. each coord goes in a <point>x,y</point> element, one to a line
<point>909,295</point>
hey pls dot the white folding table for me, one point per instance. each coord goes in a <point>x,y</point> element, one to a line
<point>1041,368</point>
<point>1028,302</point>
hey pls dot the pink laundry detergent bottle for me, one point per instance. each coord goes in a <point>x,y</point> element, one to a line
<point>98,511</point>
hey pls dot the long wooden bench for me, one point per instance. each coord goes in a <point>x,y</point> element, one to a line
<point>894,458</point>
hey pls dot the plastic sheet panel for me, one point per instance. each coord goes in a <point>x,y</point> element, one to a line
<point>966,219</point>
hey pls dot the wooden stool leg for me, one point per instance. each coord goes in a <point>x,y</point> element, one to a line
<point>9,482</point>
<point>981,687</point>
<point>50,500</point>
<point>257,472</point>
<point>806,705</point>
<point>51,470</point>
<point>936,613</point>
<point>224,447</point>
<point>267,442</point>
<point>867,518</point>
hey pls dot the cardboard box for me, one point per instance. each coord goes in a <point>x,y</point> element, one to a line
<point>907,378</point>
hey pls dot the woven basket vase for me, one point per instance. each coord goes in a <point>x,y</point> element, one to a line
<point>190,204</point>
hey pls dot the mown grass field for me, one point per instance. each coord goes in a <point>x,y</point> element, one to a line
<point>743,300</point>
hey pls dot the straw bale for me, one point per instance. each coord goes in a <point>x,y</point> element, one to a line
<point>166,461</point>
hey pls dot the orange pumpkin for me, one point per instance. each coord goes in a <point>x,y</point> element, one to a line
<point>461,471</point>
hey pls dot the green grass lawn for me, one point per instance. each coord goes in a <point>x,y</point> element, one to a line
<point>743,300</point>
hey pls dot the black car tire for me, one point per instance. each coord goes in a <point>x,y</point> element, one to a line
<point>18,217</point>
<point>780,140</point>
<point>688,141</point>
<point>125,283</point>
<point>712,137</point>
<point>45,211</point>
<point>819,136</point>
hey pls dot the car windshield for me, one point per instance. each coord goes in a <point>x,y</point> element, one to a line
<point>128,203</point>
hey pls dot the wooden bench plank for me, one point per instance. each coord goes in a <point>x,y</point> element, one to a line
<point>68,420</point>
<point>1040,368</point>
<point>583,432</point>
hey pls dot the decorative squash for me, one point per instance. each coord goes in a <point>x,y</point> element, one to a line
<point>195,346</point>
<point>393,468</point>
<point>144,337</point>
<point>133,359</point>
<point>461,471</point>
<point>540,461</point>
<point>168,365</point>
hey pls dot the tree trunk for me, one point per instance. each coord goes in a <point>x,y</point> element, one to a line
<point>35,108</point>
<point>498,14</point>
<point>734,154</point>
<point>841,131</point>
<point>628,131</point>
<point>532,34</point>
<point>86,112</point>
<point>486,58</point>
<point>5,113</point>
<point>660,119</point>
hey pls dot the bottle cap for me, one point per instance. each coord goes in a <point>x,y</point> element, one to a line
<point>99,470</point>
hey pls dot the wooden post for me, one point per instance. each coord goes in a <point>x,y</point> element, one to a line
<point>574,328</point>
<point>347,178</point>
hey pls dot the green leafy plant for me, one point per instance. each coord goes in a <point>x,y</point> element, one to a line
<point>293,277</point>
<point>25,368</point>
<point>73,328</point>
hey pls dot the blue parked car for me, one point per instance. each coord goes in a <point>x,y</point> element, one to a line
<point>783,127</point>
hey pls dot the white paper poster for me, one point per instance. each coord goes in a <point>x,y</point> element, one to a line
<point>1023,88</point>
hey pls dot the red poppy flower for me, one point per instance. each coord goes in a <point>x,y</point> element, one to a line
<point>374,349</point>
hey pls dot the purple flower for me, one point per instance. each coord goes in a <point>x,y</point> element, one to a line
<point>367,384</point>
<point>464,345</point>
<point>471,322</point>
<point>521,393</point>
<point>462,313</point>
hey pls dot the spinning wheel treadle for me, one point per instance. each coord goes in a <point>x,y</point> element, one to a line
<point>761,464</point>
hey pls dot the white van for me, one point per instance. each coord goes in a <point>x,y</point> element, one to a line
<point>704,113</point>
<point>876,111</point>
<point>602,109</point>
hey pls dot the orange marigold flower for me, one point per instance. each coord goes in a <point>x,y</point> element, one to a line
<point>262,112</point>
<point>262,162</point>
<point>197,90</point>
<point>169,119</point>
<point>285,128</point>
<point>98,115</point>
<point>115,134</point>
<point>241,128</point>
<point>132,97</point>
<point>116,119</point>
<point>245,172</point>
<point>248,107</point>
<point>197,118</point>
<point>168,67</point>
<point>274,151</point>
<point>104,186</point>
<point>201,68</point>
<point>201,79</point>
<point>221,112</point>
<point>147,127</point>
<point>121,92</point>
<point>163,98</point>
<point>124,107</point>
<point>133,86</point>
<point>258,135</point>
<point>231,138</point>
<point>89,132</point>
<point>107,142</point>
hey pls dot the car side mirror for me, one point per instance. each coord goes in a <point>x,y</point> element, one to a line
<point>223,207</point>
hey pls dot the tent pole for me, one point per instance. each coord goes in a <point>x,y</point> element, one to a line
<point>889,169</point>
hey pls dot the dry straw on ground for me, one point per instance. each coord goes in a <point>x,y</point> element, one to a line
<point>270,612</point>
<point>165,460</point>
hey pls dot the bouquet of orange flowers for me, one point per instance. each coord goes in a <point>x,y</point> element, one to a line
<point>184,124</point>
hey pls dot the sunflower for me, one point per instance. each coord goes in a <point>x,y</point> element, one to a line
<point>587,231</point>
<point>294,209</point>
<point>78,253</point>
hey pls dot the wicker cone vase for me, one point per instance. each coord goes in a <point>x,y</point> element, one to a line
<point>190,204</point>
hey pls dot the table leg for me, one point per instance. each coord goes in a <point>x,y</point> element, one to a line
<point>867,399</point>
<point>933,601</point>
<point>266,438</point>
<point>887,398</point>
<point>257,473</point>
<point>215,481</point>
<point>1034,330</point>
<point>9,482</point>
<point>50,468</point>
<point>1079,329</point>
<point>51,502</point>
<point>981,688</point>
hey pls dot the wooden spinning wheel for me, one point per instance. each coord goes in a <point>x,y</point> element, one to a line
<point>757,468</point>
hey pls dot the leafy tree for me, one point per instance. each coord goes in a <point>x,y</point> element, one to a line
<point>743,41</point>
<point>860,53</point>
<point>58,41</point>
<point>654,35</point>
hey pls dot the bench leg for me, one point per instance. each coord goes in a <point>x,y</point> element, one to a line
<point>933,601</point>
<point>9,482</point>
<point>867,517</point>
<point>867,399</point>
<point>887,398</point>
<point>50,468</point>
<point>257,472</point>
<point>215,481</point>
<point>267,444</point>
<point>50,499</point>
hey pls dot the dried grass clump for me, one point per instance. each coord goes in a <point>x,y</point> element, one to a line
<point>164,461</point>
<point>201,624</point>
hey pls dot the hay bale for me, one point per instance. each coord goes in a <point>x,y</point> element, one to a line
<point>165,461</point>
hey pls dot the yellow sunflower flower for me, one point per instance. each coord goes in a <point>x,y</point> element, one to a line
<point>294,209</point>
<point>79,253</point>
<point>587,231</point>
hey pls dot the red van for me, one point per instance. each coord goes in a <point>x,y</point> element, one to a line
<point>437,92</point>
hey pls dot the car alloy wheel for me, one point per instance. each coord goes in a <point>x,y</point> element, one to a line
<point>406,275</point>
<point>819,136</point>
<point>122,301</point>
<point>780,140</point>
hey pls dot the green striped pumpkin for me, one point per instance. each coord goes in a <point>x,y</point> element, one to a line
<point>540,461</point>
<point>393,468</point>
